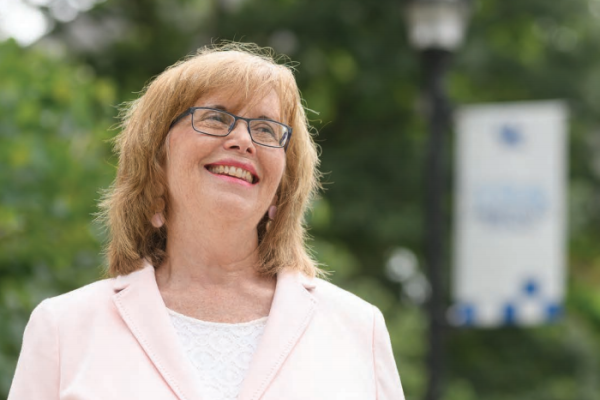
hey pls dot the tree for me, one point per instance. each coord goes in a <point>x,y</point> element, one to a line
<point>54,156</point>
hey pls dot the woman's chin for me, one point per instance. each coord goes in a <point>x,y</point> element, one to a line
<point>233,208</point>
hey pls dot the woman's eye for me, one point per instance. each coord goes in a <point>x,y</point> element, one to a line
<point>264,129</point>
<point>267,130</point>
<point>215,117</point>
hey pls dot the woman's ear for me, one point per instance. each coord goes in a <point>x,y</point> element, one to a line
<point>157,220</point>
<point>272,213</point>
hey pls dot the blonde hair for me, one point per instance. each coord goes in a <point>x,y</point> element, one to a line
<point>140,190</point>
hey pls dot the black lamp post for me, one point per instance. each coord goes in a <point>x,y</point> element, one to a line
<point>436,29</point>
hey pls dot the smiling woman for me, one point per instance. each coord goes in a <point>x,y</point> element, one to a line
<point>212,293</point>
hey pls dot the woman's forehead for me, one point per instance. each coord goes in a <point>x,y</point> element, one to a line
<point>236,101</point>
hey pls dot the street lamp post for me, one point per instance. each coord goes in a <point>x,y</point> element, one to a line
<point>436,29</point>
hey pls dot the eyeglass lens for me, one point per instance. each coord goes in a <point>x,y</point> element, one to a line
<point>218,123</point>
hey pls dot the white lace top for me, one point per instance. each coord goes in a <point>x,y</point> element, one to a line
<point>220,352</point>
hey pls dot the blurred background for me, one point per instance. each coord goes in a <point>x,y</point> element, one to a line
<point>66,65</point>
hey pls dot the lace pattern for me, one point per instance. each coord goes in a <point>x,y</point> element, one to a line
<point>220,352</point>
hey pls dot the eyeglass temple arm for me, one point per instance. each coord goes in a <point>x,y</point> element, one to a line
<point>182,116</point>
<point>289,138</point>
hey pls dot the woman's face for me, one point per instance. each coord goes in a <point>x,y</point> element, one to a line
<point>200,168</point>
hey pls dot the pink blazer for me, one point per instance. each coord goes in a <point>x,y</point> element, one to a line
<point>113,339</point>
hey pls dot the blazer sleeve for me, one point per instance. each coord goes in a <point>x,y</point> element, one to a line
<point>37,375</point>
<point>387,379</point>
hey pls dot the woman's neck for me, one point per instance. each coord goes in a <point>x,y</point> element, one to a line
<point>211,273</point>
<point>209,250</point>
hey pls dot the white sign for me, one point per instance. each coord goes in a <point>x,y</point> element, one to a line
<point>509,225</point>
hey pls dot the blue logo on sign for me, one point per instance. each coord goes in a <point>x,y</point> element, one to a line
<point>511,136</point>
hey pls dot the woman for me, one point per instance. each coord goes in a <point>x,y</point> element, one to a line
<point>212,295</point>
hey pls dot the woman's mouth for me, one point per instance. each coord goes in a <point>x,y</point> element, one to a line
<point>232,171</point>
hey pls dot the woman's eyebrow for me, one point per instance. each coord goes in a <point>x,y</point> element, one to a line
<point>267,114</point>
<point>217,107</point>
<point>223,108</point>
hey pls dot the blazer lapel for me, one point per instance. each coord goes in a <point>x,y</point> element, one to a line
<point>292,309</point>
<point>139,302</point>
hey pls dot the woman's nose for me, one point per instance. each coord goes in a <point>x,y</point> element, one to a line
<point>239,138</point>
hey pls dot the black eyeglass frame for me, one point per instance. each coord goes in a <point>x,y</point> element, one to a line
<point>190,111</point>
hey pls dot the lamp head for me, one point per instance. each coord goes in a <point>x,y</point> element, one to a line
<point>437,24</point>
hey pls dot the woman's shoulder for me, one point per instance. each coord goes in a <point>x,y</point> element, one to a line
<point>87,297</point>
<point>333,296</point>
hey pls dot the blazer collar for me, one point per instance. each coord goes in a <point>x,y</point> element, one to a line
<point>291,312</point>
<point>141,306</point>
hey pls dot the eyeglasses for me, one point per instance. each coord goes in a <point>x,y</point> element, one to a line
<point>264,132</point>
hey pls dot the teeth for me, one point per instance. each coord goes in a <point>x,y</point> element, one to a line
<point>232,171</point>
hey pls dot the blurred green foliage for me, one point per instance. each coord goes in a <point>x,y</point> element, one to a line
<point>357,72</point>
<point>54,121</point>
